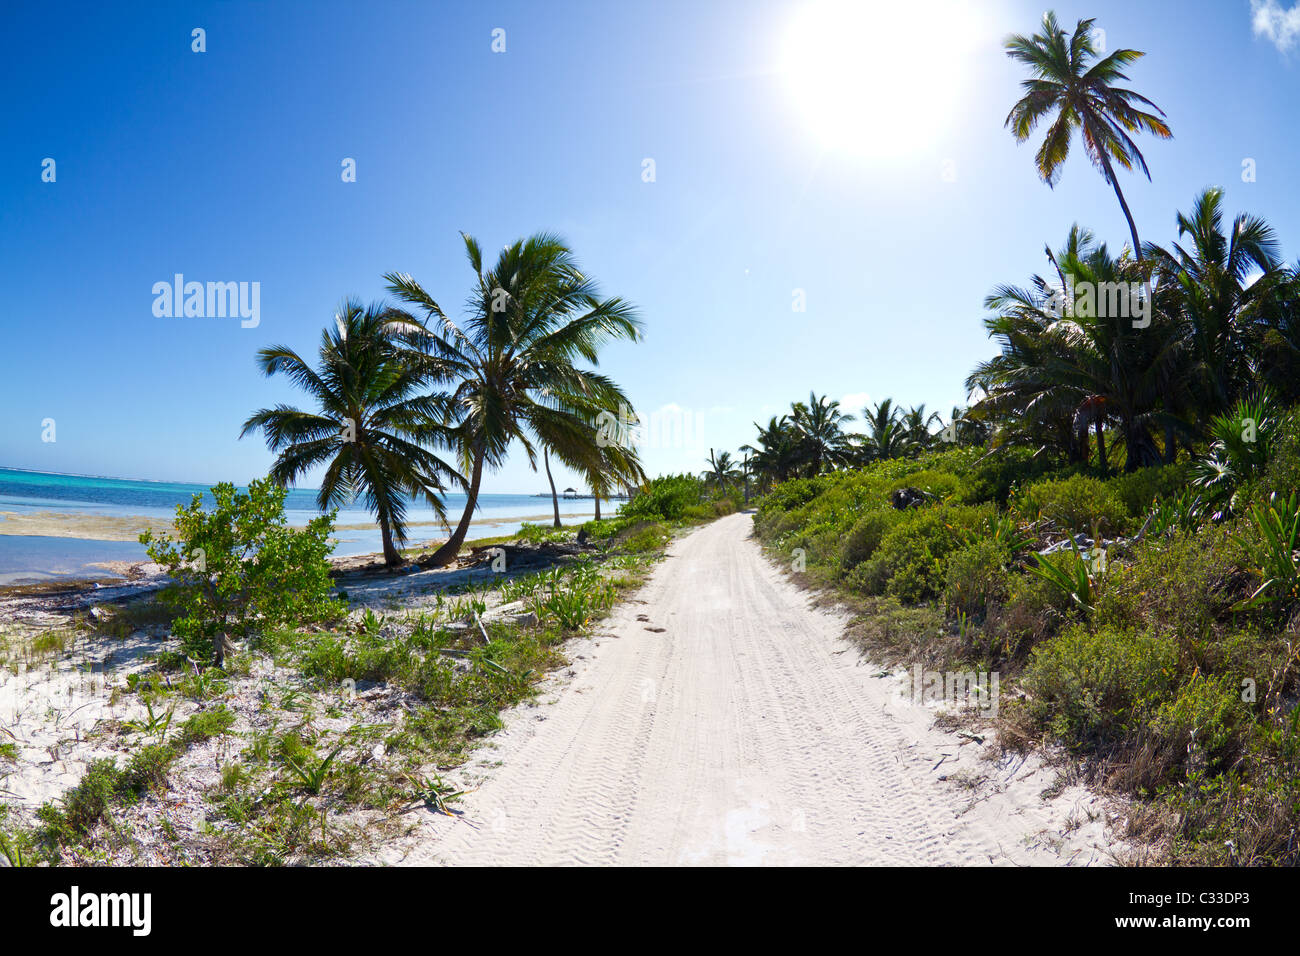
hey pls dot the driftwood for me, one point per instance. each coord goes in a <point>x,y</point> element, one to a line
<point>520,557</point>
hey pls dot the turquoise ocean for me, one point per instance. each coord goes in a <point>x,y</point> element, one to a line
<point>31,558</point>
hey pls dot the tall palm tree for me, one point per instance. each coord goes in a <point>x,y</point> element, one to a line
<point>514,362</point>
<point>374,425</point>
<point>1070,79</point>
<point>820,425</point>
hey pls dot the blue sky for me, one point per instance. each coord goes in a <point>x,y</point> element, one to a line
<point>225,166</point>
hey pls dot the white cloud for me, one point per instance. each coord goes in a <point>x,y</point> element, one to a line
<point>1278,25</point>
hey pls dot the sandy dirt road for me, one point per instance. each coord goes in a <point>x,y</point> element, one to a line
<point>717,718</point>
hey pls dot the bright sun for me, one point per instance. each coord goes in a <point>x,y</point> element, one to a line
<point>877,77</point>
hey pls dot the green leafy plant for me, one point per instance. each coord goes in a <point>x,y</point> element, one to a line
<point>240,567</point>
<point>1182,514</point>
<point>153,723</point>
<point>1240,445</point>
<point>435,794</point>
<point>1071,573</point>
<point>311,775</point>
<point>1274,552</point>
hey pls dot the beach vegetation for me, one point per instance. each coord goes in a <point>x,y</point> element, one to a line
<point>239,568</point>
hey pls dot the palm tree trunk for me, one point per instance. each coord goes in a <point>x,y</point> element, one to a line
<point>597,497</point>
<point>1101,450</point>
<point>448,552</point>
<point>555,499</point>
<point>1119,194</point>
<point>391,558</point>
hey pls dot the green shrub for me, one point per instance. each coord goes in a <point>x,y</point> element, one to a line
<point>1205,718</point>
<point>865,536</point>
<point>976,578</point>
<point>1094,688</point>
<point>530,533</point>
<point>642,537</point>
<point>604,529</point>
<point>1282,473</point>
<point>241,567</point>
<point>665,498</point>
<point>1140,489</point>
<point>1075,503</point>
<point>207,724</point>
<point>1179,585</point>
<point>914,550</point>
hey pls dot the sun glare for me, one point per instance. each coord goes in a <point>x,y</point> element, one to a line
<point>877,78</point>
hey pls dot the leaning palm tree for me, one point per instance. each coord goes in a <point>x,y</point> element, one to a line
<point>513,364</point>
<point>722,470</point>
<point>375,423</point>
<point>1070,79</point>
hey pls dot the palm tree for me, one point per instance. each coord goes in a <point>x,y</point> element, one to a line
<point>1067,365</point>
<point>820,425</point>
<point>722,470</point>
<point>1280,338</point>
<point>886,437</point>
<point>777,455</point>
<point>373,425</point>
<point>917,427</point>
<point>1219,304</point>
<point>513,362</point>
<point>1070,78</point>
<point>619,467</point>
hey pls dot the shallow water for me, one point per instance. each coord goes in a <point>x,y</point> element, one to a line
<point>29,559</point>
<point>42,557</point>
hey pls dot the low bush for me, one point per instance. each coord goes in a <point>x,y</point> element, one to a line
<point>1178,585</point>
<point>976,578</point>
<point>641,537</point>
<point>1095,688</point>
<point>241,568</point>
<point>865,536</point>
<point>1139,490</point>
<point>1077,504</point>
<point>665,498</point>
